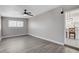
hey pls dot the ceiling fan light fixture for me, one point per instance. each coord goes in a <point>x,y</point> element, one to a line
<point>27,13</point>
<point>62,12</point>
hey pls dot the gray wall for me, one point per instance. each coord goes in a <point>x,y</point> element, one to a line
<point>13,31</point>
<point>49,26</point>
<point>0,27</point>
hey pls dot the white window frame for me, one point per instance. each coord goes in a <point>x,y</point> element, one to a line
<point>13,23</point>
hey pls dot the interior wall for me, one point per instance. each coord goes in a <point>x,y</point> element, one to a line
<point>0,27</point>
<point>48,26</point>
<point>13,31</point>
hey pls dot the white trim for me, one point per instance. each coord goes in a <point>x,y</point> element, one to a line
<point>48,40</point>
<point>13,36</point>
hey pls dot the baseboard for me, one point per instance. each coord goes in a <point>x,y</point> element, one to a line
<point>48,40</point>
<point>76,48</point>
<point>13,36</point>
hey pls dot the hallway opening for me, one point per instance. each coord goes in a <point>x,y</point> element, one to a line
<point>72,28</point>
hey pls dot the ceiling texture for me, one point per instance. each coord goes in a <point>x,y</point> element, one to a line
<point>17,10</point>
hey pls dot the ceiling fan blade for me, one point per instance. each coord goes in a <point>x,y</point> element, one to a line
<point>29,13</point>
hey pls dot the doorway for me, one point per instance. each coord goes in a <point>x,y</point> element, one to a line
<point>72,28</point>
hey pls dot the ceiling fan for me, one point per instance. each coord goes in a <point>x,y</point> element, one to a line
<point>27,13</point>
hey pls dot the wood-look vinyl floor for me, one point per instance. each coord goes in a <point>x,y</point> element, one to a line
<point>30,44</point>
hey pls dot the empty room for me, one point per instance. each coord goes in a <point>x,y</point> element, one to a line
<point>37,29</point>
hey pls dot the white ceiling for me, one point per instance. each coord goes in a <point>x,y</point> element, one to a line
<point>17,10</point>
<point>74,12</point>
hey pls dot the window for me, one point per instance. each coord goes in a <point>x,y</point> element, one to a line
<point>12,23</point>
<point>19,23</point>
